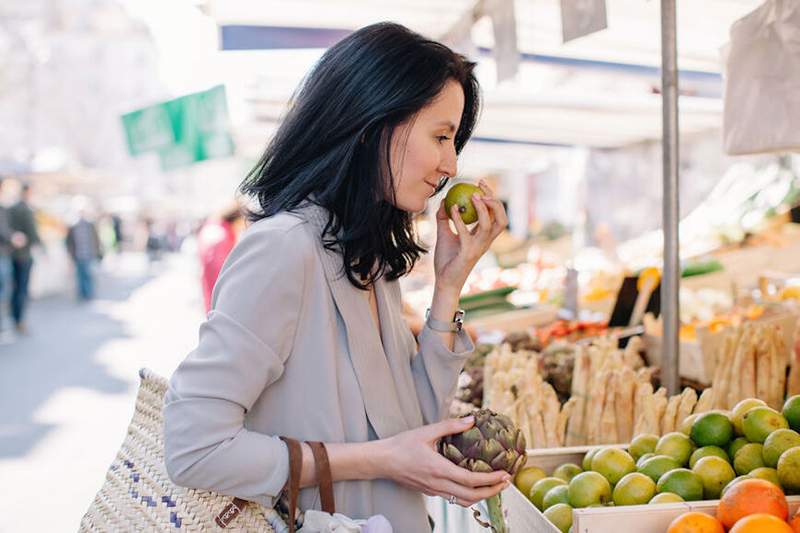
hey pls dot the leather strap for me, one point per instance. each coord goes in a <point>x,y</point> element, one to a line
<point>295,466</point>
<point>324,476</point>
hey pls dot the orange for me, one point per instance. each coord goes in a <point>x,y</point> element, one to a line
<point>795,523</point>
<point>751,496</point>
<point>695,522</point>
<point>761,523</point>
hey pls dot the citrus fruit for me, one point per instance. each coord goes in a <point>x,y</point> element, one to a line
<point>542,487</point>
<point>634,489</point>
<point>778,442</point>
<point>640,461</point>
<point>560,515</point>
<point>559,494</point>
<point>759,422</point>
<point>567,471</point>
<point>735,446</point>
<point>751,496</point>
<point>795,523</point>
<point>613,463</point>
<point>682,482</point>
<point>666,497</point>
<point>695,522</point>
<point>791,411</point>
<point>657,466</point>
<point>686,426</point>
<point>676,445</point>
<point>748,458</point>
<point>734,482</point>
<point>643,444</point>
<point>460,194</point>
<point>761,523</point>
<point>588,488</point>
<point>587,459</point>
<point>766,473</point>
<point>526,477</point>
<point>739,411</point>
<point>715,473</point>
<point>712,429</point>
<point>789,470</point>
<point>707,451</point>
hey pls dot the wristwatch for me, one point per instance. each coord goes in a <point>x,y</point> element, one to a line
<point>446,327</point>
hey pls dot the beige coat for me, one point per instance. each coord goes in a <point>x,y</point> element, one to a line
<point>290,348</point>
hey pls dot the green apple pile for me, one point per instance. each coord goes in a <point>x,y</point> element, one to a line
<point>712,451</point>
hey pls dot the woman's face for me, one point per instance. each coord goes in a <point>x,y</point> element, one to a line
<point>423,149</point>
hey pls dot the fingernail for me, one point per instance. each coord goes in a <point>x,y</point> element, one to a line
<point>468,420</point>
<point>476,196</point>
<point>506,477</point>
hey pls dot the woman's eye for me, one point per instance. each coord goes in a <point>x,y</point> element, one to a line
<point>442,138</point>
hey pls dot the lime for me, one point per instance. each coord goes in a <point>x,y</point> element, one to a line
<point>686,426</point>
<point>740,409</point>
<point>587,459</point>
<point>589,488</point>
<point>765,473</point>
<point>567,471</point>
<point>778,442</point>
<point>735,446</point>
<point>682,482</point>
<point>715,473</point>
<point>791,410</point>
<point>676,445</point>
<point>733,482</point>
<point>461,195</point>
<point>634,489</point>
<point>541,487</point>
<point>667,497</point>
<point>657,466</point>
<point>712,429</point>
<point>748,458</point>
<point>640,461</point>
<point>526,477</point>
<point>559,494</point>
<point>759,422</point>
<point>643,444</point>
<point>613,463</point>
<point>707,451</point>
<point>560,515</point>
<point>789,470</point>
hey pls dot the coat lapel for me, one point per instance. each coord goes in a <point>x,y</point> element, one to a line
<point>374,374</point>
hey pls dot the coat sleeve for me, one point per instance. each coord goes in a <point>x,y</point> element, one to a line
<point>435,369</point>
<point>242,349</point>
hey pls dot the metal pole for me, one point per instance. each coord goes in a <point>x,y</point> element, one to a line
<point>671,271</point>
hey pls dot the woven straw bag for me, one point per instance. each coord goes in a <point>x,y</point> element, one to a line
<point>138,494</point>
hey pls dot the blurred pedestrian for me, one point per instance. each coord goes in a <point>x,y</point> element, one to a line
<point>23,237</point>
<point>5,263</point>
<point>83,245</point>
<point>215,240</point>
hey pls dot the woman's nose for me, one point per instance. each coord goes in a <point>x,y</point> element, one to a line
<point>449,163</point>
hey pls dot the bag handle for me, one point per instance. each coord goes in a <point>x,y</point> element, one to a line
<point>324,479</point>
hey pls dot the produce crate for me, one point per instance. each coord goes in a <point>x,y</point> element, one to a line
<point>524,517</point>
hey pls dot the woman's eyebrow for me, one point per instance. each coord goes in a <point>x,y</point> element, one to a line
<point>449,124</point>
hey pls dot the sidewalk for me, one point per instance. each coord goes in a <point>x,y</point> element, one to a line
<point>67,390</point>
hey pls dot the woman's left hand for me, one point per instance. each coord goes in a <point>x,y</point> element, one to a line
<point>457,253</point>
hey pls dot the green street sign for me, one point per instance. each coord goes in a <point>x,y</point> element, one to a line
<point>182,131</point>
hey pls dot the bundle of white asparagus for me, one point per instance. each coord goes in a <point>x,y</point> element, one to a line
<point>752,363</point>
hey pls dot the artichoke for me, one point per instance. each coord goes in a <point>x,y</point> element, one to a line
<point>492,444</point>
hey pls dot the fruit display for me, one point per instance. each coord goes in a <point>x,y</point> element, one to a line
<point>749,458</point>
<point>492,444</point>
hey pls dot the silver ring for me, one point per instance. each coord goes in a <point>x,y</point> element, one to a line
<point>451,499</point>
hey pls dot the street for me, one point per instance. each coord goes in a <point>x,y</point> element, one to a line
<point>67,390</point>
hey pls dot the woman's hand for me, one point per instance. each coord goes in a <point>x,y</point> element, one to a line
<point>411,460</point>
<point>457,253</point>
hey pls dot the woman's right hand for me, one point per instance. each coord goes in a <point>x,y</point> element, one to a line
<point>411,460</point>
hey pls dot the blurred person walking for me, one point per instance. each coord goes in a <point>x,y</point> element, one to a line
<point>24,236</point>
<point>5,265</point>
<point>215,240</point>
<point>83,245</point>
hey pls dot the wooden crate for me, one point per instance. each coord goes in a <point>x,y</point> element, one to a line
<point>524,517</point>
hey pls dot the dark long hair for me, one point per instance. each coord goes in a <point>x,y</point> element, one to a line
<point>333,145</point>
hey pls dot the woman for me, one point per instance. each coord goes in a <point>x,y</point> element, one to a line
<point>306,337</point>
